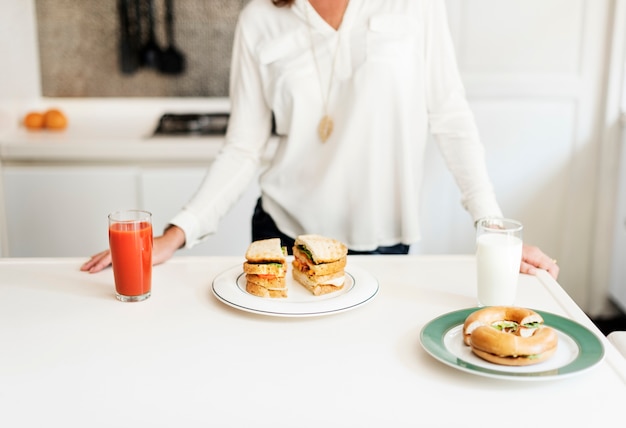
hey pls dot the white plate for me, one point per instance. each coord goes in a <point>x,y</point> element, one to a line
<point>578,349</point>
<point>360,287</point>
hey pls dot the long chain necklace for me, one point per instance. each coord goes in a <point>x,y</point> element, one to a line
<point>326,125</point>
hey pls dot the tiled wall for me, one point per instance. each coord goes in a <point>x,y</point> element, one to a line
<point>79,53</point>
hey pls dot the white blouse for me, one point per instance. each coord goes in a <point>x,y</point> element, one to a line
<point>394,81</point>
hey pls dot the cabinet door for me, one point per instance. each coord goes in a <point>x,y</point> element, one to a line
<point>166,190</point>
<point>55,211</point>
<point>617,287</point>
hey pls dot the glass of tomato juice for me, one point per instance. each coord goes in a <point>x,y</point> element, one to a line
<point>130,242</point>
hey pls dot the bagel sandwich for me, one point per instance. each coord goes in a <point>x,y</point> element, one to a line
<point>319,263</point>
<point>509,335</point>
<point>266,268</point>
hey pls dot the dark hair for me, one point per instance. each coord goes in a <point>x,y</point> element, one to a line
<point>281,3</point>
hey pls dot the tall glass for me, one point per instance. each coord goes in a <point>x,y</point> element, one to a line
<point>498,259</point>
<point>130,242</point>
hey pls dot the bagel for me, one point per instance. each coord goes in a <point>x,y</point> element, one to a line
<point>526,318</point>
<point>509,335</point>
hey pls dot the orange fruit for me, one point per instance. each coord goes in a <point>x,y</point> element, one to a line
<point>34,120</point>
<point>55,119</point>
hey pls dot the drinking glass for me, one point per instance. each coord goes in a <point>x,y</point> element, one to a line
<point>498,258</point>
<point>130,242</point>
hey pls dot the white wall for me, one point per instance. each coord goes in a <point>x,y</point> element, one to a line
<point>19,75</point>
<point>19,50</point>
<point>535,75</point>
<point>615,166</point>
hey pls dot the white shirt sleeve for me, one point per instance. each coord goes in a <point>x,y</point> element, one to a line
<point>452,122</point>
<point>248,131</point>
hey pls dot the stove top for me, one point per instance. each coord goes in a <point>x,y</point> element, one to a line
<point>192,124</point>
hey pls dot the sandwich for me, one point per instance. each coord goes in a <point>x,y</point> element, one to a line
<point>265,268</point>
<point>319,263</point>
<point>509,335</point>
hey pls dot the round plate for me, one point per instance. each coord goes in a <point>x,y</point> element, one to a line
<point>578,350</point>
<point>360,287</point>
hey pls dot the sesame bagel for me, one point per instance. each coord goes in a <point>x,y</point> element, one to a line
<point>509,335</point>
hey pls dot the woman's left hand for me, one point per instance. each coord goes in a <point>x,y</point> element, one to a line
<point>533,258</point>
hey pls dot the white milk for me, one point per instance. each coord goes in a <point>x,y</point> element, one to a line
<point>498,258</point>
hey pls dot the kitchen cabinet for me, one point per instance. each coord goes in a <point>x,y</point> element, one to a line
<point>165,190</point>
<point>617,287</point>
<point>61,210</point>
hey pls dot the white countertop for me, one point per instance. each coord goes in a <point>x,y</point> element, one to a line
<point>74,356</point>
<point>107,129</point>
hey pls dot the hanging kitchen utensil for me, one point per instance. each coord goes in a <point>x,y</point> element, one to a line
<point>150,53</point>
<point>172,60</point>
<point>137,28</point>
<point>127,51</point>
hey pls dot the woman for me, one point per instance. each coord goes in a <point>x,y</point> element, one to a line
<point>355,88</point>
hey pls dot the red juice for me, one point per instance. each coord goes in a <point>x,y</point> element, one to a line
<point>131,254</point>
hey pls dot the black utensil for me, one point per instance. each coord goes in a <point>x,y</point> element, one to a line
<point>172,60</point>
<point>137,28</point>
<point>127,56</point>
<point>150,54</point>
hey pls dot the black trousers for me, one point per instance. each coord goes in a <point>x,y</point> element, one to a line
<point>263,227</point>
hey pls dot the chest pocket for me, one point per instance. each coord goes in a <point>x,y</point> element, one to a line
<point>285,58</point>
<point>391,38</point>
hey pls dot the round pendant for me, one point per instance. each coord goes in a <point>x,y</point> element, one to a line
<point>325,128</point>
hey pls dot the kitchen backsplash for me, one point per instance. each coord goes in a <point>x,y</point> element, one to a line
<point>79,45</point>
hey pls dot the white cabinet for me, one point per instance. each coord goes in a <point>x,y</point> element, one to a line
<point>617,288</point>
<point>166,190</point>
<point>62,211</point>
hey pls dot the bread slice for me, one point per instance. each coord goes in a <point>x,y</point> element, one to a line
<point>269,281</point>
<point>514,361</point>
<point>320,248</point>
<point>260,291</point>
<point>303,262</point>
<point>317,288</point>
<point>336,278</point>
<point>265,251</point>
<point>272,268</point>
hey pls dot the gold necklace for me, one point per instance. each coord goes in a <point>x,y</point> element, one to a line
<point>326,125</point>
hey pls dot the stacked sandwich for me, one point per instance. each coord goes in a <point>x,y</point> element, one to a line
<point>319,263</point>
<point>265,268</point>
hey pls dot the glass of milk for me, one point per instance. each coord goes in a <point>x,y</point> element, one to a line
<point>498,258</point>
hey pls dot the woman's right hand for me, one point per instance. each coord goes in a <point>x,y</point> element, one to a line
<point>163,249</point>
<point>97,262</point>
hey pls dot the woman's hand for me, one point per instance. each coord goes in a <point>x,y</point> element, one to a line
<point>163,249</point>
<point>533,258</point>
<point>97,262</point>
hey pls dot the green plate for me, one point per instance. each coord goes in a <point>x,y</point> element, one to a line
<point>579,349</point>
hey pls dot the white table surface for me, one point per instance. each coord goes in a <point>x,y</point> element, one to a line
<point>74,356</point>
